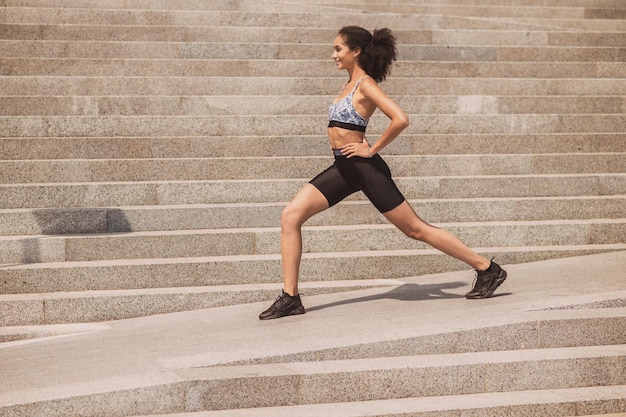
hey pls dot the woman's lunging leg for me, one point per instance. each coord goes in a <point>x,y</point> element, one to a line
<point>405,219</point>
<point>306,203</point>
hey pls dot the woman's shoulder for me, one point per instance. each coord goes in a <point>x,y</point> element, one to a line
<point>369,86</point>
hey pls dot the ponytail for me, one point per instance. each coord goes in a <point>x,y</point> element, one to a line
<point>378,51</point>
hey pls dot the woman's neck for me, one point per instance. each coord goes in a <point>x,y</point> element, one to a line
<point>355,74</point>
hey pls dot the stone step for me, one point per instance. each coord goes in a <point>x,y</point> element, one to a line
<point>543,333</point>
<point>607,4</point>
<point>255,241</point>
<point>25,148</point>
<point>259,269</point>
<point>456,37</point>
<point>25,67</point>
<point>597,21</point>
<point>562,403</point>
<point>276,14</point>
<point>274,51</point>
<point>499,11</point>
<point>160,5</point>
<point>595,18</point>
<point>325,18</point>
<point>283,125</point>
<point>55,221</point>
<point>98,306</point>
<point>92,195</point>
<point>298,167</point>
<point>406,377</point>
<point>30,105</point>
<point>331,17</point>
<point>388,386</point>
<point>303,86</point>
<point>228,5</point>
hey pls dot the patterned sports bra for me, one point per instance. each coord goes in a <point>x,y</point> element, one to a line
<point>343,114</point>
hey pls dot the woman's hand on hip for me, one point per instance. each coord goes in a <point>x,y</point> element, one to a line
<point>361,149</point>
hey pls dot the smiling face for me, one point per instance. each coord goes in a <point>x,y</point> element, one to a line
<point>344,57</point>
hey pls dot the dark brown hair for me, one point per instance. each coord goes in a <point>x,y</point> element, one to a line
<point>378,50</point>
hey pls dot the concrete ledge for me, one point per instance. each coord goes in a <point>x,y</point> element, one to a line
<point>251,241</point>
<point>183,391</point>
<point>262,269</point>
<point>257,105</point>
<point>562,403</point>
<point>63,67</point>
<point>248,168</point>
<point>287,84</point>
<point>196,215</point>
<point>457,37</point>
<point>99,306</point>
<point>27,148</point>
<point>37,198</point>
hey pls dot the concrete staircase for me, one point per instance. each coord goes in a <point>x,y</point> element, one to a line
<point>147,148</point>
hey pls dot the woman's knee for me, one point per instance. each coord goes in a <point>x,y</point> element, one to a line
<point>416,233</point>
<point>291,217</point>
<point>419,230</point>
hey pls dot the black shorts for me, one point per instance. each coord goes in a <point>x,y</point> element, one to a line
<point>349,175</point>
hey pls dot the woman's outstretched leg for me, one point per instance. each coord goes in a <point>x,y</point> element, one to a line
<point>490,275</point>
<point>405,219</point>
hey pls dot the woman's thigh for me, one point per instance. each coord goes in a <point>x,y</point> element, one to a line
<point>306,203</point>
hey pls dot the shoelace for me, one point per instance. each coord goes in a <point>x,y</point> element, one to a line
<point>279,300</point>
<point>478,282</point>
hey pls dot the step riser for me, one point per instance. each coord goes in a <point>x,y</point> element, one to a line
<point>521,23</point>
<point>314,145</point>
<point>403,383</point>
<point>35,126</point>
<point>266,51</point>
<point>58,249</point>
<point>72,171</point>
<point>324,68</point>
<point>48,309</point>
<point>308,35</point>
<point>544,334</point>
<point>152,404</point>
<point>304,86</point>
<point>427,17</point>
<point>227,5</point>
<point>57,16</point>
<point>499,12</point>
<point>266,269</point>
<point>224,192</point>
<point>140,219</point>
<point>201,106</point>
<point>220,394</point>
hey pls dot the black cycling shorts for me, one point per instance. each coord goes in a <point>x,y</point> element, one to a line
<point>349,175</point>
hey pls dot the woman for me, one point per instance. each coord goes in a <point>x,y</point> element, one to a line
<point>358,167</point>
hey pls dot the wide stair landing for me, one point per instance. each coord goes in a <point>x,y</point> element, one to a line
<point>147,148</point>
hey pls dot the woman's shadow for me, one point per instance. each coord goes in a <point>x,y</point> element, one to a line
<point>406,292</point>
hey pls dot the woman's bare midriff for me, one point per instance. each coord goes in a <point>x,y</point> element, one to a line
<point>340,137</point>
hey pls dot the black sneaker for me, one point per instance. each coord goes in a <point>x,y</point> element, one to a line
<point>285,305</point>
<point>487,281</point>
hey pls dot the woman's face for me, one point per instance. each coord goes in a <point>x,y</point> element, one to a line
<point>344,57</point>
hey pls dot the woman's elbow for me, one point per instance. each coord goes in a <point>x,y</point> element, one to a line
<point>403,121</point>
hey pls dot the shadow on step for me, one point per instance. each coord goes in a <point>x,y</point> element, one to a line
<point>406,292</point>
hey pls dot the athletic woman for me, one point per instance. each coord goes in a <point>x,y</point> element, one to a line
<point>358,166</point>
